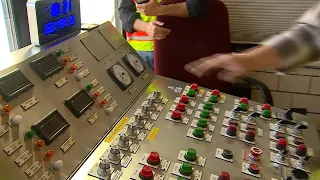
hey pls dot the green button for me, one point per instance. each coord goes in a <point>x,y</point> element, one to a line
<point>191,155</point>
<point>181,178</point>
<point>59,53</point>
<point>89,86</point>
<point>202,122</point>
<point>186,169</point>
<point>205,114</point>
<point>198,132</point>
<point>29,134</point>
<point>191,93</point>
<point>208,106</point>
<point>213,99</point>
<point>266,113</point>
<point>243,106</point>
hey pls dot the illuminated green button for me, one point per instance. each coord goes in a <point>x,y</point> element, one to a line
<point>205,114</point>
<point>243,106</point>
<point>202,122</point>
<point>186,169</point>
<point>191,93</point>
<point>266,113</point>
<point>213,99</point>
<point>198,132</point>
<point>208,106</point>
<point>29,134</point>
<point>89,86</point>
<point>191,155</point>
<point>59,53</point>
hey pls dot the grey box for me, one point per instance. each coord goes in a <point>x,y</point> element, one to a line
<point>315,85</point>
<point>269,79</point>
<point>312,103</point>
<point>294,83</point>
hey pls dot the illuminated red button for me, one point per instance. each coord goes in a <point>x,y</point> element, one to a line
<point>181,107</point>
<point>232,130</point>
<point>176,115</point>
<point>250,135</point>
<point>39,144</point>
<point>194,87</point>
<point>255,152</point>
<point>153,158</point>
<point>215,92</point>
<point>102,102</point>
<point>146,173</point>
<point>224,176</point>
<point>282,143</point>
<point>301,150</point>
<point>96,94</point>
<point>72,68</point>
<point>254,169</point>
<point>6,109</point>
<point>184,99</point>
<point>266,107</point>
<point>48,155</point>
<point>66,60</point>
<point>244,100</point>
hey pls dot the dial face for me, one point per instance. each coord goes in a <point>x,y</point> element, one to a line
<point>134,63</point>
<point>120,76</point>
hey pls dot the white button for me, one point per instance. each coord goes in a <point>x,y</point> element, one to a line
<point>57,165</point>
<point>79,76</point>
<point>16,120</point>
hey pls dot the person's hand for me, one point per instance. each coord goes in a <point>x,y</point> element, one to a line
<point>233,66</point>
<point>151,8</point>
<point>155,30</point>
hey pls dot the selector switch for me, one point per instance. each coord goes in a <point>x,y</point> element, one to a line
<point>104,168</point>
<point>181,107</point>
<point>146,173</point>
<point>282,144</point>
<point>123,141</point>
<point>176,115</point>
<point>154,158</point>
<point>157,96</point>
<point>57,165</point>
<point>232,130</point>
<point>191,155</point>
<point>186,169</point>
<point>250,135</point>
<point>254,169</point>
<point>202,122</point>
<point>224,176</point>
<point>145,111</point>
<point>132,130</point>
<point>16,120</point>
<point>114,153</point>
<point>198,132</point>
<point>228,154</point>
<point>184,99</point>
<point>301,150</point>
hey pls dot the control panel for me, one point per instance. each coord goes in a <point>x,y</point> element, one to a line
<point>90,108</point>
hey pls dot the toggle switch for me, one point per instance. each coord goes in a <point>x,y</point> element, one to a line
<point>114,153</point>
<point>104,168</point>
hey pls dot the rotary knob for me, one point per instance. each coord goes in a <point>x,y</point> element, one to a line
<point>139,120</point>
<point>114,153</point>
<point>299,174</point>
<point>132,130</point>
<point>145,110</point>
<point>104,168</point>
<point>150,103</point>
<point>123,141</point>
<point>157,96</point>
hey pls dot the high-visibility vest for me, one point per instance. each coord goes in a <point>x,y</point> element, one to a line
<point>140,40</point>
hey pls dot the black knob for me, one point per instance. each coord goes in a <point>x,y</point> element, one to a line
<point>299,174</point>
<point>228,154</point>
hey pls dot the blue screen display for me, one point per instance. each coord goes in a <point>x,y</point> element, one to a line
<point>57,10</point>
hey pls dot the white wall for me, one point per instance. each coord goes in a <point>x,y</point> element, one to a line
<point>97,11</point>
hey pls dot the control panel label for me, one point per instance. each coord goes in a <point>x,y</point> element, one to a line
<point>33,169</point>
<point>66,145</point>
<point>132,90</point>
<point>24,157</point>
<point>11,148</point>
<point>101,90</point>
<point>93,118</point>
<point>3,130</point>
<point>79,64</point>
<point>46,176</point>
<point>84,73</point>
<point>153,133</point>
<point>117,129</point>
<point>61,82</point>
<point>94,82</point>
<point>65,50</point>
<point>73,57</point>
<point>108,97</point>
<point>29,103</point>
<point>145,76</point>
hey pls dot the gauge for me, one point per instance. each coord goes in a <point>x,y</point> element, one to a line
<point>134,63</point>
<point>120,76</point>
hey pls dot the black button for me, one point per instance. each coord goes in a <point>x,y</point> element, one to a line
<point>228,154</point>
<point>299,174</point>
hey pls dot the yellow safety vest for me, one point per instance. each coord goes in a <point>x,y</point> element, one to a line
<point>140,40</point>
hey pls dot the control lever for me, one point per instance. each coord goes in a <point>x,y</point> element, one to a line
<point>297,129</point>
<point>283,122</point>
<point>235,111</point>
<point>253,115</point>
<point>302,162</point>
<point>282,155</point>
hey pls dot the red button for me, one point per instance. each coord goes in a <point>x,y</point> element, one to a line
<point>244,100</point>
<point>146,173</point>
<point>181,107</point>
<point>194,86</point>
<point>256,152</point>
<point>298,141</point>
<point>66,60</point>
<point>215,92</point>
<point>154,158</point>
<point>48,155</point>
<point>282,142</point>
<point>249,126</point>
<point>251,133</point>
<point>176,115</point>
<point>254,169</point>
<point>184,99</point>
<point>72,68</point>
<point>39,144</point>
<point>266,107</point>
<point>6,109</point>
<point>232,128</point>
<point>302,148</point>
<point>102,102</point>
<point>96,94</point>
<point>279,135</point>
<point>224,176</point>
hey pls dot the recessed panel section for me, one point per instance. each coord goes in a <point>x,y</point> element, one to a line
<point>46,66</point>
<point>14,84</point>
<point>120,76</point>
<point>113,36</point>
<point>98,47</point>
<point>51,126</point>
<point>134,63</point>
<point>79,103</point>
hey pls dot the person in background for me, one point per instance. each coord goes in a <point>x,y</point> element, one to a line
<point>293,48</point>
<point>139,21</point>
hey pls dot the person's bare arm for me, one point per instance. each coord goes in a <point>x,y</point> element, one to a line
<point>153,29</point>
